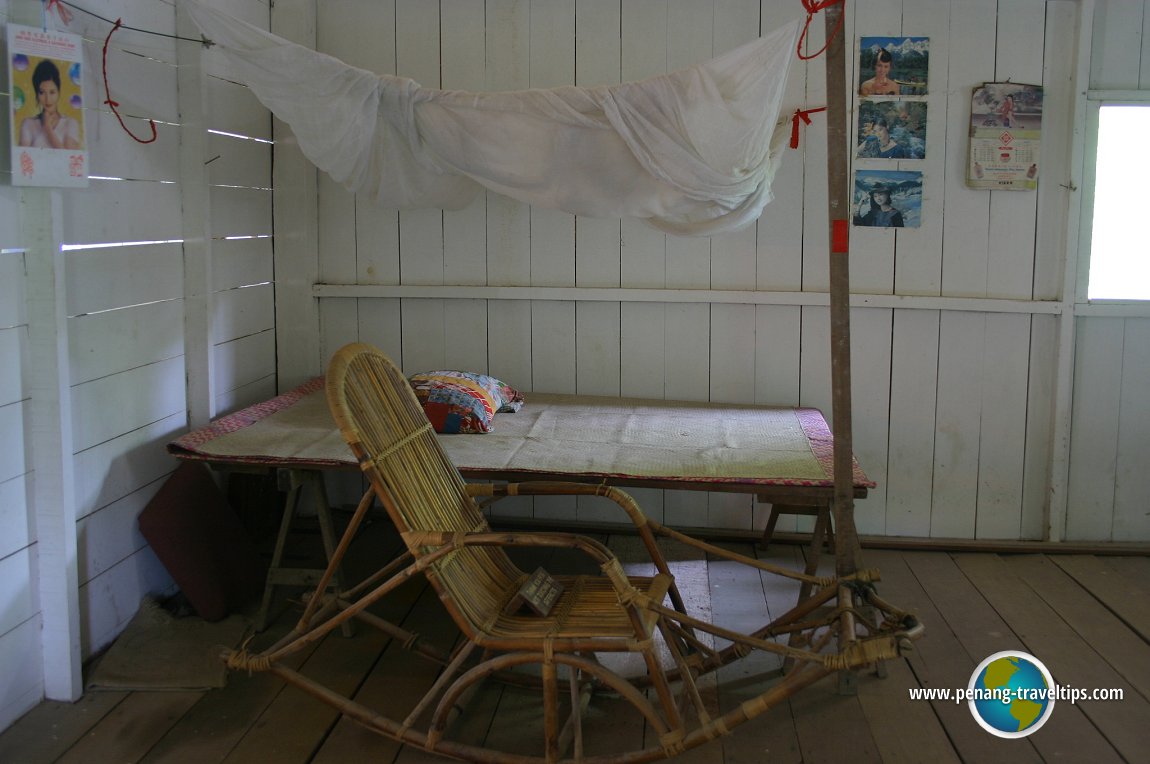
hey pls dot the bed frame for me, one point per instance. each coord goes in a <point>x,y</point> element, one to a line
<point>781,455</point>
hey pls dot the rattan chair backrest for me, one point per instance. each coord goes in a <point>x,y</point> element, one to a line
<point>384,424</point>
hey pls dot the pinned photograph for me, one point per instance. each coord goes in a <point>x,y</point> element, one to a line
<point>893,66</point>
<point>891,130</point>
<point>888,198</point>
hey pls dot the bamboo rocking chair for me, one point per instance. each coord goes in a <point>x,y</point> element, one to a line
<point>840,626</point>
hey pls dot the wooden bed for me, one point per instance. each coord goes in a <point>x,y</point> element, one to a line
<point>781,455</point>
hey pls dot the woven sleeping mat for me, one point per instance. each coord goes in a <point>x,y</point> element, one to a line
<point>558,435</point>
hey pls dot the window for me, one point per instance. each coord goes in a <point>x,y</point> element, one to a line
<point>1119,236</point>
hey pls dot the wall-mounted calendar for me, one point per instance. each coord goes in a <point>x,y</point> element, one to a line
<point>1005,134</point>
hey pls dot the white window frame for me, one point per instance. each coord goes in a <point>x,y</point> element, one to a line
<point>1084,306</point>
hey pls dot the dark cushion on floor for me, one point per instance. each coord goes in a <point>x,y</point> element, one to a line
<point>202,543</point>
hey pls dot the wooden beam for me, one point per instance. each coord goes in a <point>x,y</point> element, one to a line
<point>838,193</point>
<point>52,449</point>
<point>194,196</point>
<point>296,225</point>
<point>1057,508</point>
<point>682,296</point>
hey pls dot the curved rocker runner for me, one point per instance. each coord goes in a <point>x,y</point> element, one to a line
<point>842,625</point>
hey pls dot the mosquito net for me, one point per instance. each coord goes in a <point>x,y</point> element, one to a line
<point>692,152</point>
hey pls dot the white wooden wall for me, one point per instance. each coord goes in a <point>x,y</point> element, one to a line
<point>953,394</point>
<point>20,659</point>
<point>131,316</point>
<point>1110,443</point>
<point>953,402</point>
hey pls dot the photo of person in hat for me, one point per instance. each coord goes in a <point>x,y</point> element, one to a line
<point>880,213</point>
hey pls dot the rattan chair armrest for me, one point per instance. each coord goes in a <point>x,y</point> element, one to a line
<point>557,488</point>
<point>442,542</point>
<point>594,549</point>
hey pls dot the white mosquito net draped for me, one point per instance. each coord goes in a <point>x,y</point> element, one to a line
<point>692,152</point>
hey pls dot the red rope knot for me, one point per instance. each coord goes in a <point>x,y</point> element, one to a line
<point>108,93</point>
<point>812,7</point>
<point>64,13</point>
<point>804,116</point>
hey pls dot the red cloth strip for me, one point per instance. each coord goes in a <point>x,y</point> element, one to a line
<point>801,114</point>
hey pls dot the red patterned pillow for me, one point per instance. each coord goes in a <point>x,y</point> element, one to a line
<point>463,402</point>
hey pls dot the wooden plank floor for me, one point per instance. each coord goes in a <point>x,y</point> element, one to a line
<point>1085,617</point>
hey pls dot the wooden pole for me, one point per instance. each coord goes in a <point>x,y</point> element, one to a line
<point>838,191</point>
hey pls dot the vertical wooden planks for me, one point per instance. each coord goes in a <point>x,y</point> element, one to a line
<point>552,64</point>
<point>1131,499</point>
<point>463,67</point>
<point>1054,196</point>
<point>732,380</point>
<point>20,651</point>
<point>196,273</point>
<point>815,236</point>
<point>734,255</point>
<point>913,390</point>
<point>1096,415</point>
<point>297,255</point>
<point>871,350</point>
<point>508,222</point>
<point>958,422</point>
<point>689,41</point>
<point>918,254</point>
<point>643,249</point>
<point>1010,269</point>
<point>417,55</point>
<point>734,262</point>
<point>690,30</point>
<point>872,250</point>
<point>1118,36</point>
<point>966,222</point>
<point>815,366</point>
<point>598,61</point>
<point>779,230</point>
<point>553,53</point>
<point>1039,426</point>
<point>358,240</point>
<point>1002,440</point>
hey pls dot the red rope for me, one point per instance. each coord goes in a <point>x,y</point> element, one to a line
<point>812,7</point>
<point>107,92</point>
<point>801,114</point>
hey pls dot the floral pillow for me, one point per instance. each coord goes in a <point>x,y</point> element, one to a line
<point>461,401</point>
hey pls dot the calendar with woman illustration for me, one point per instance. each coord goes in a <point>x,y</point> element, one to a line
<point>1005,135</point>
<point>47,109</point>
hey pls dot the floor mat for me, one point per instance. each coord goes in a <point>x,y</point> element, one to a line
<point>159,651</point>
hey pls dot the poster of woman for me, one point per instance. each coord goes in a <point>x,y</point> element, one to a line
<point>893,66</point>
<point>888,198</point>
<point>891,129</point>
<point>47,115</point>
